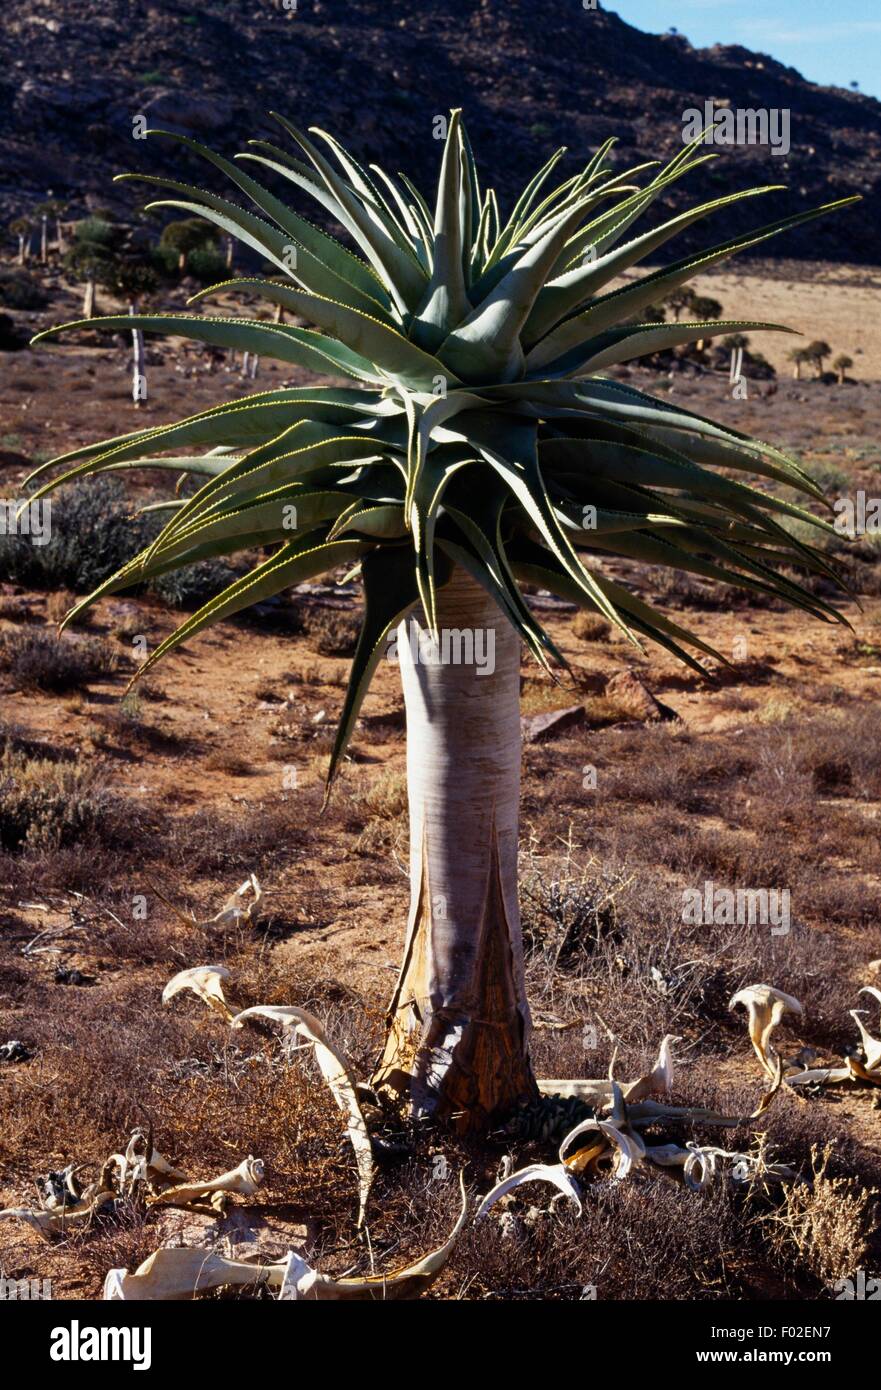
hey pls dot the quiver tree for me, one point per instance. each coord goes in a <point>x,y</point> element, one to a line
<point>90,258</point>
<point>817,352</point>
<point>186,235</point>
<point>798,357</point>
<point>842,365</point>
<point>21,228</point>
<point>475,448</point>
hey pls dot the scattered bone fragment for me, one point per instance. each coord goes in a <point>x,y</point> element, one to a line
<point>244,1180</point>
<point>819,1076</point>
<point>58,1190</point>
<point>625,1149</point>
<point>57,1222</point>
<point>871,1046</point>
<point>593,1092</point>
<point>597,1091</point>
<point>859,1073</point>
<point>649,1112</point>
<point>659,1081</point>
<point>705,1166</point>
<point>241,905</point>
<point>183,1273</point>
<point>765,1007</point>
<point>205,981</point>
<point>554,1173</point>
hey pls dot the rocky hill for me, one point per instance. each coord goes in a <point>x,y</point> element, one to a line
<point>530,76</point>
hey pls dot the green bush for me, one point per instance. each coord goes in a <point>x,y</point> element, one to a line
<point>207,265</point>
<point>96,231</point>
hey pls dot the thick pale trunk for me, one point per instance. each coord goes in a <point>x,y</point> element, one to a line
<point>457,1047</point>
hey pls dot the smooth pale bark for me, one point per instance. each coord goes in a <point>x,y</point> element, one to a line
<point>457,1047</point>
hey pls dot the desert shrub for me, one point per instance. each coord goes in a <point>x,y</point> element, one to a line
<point>47,805</point>
<point>210,842</point>
<point>14,608</point>
<point>92,534</point>
<point>590,627</point>
<point>37,660</point>
<point>569,911</point>
<point>333,631</point>
<point>18,290</point>
<point>194,585</point>
<point>641,1239</point>
<point>825,1222</point>
<point>229,761</point>
<point>207,264</point>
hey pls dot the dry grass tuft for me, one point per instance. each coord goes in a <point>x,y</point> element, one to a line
<point>826,1221</point>
<point>590,627</point>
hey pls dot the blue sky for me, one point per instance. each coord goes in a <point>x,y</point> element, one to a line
<point>829,41</point>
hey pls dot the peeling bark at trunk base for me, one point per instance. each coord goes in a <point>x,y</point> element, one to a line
<point>457,1047</point>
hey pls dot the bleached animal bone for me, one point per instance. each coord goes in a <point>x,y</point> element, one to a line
<point>666,1155</point>
<point>554,1173</point>
<point>659,1081</point>
<point>160,1165</point>
<point>851,1069</point>
<point>597,1091</point>
<point>181,1273</point>
<point>337,1073</point>
<point>59,1190</point>
<point>871,1046</point>
<point>241,905</point>
<point>629,1149</point>
<point>244,1180</point>
<point>301,1281</point>
<point>765,1007</point>
<point>819,1076</point>
<point>859,1073</point>
<point>204,981</point>
<point>54,1223</point>
<point>704,1167</point>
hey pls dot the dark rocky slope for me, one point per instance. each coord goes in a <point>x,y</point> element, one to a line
<point>530,75</point>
